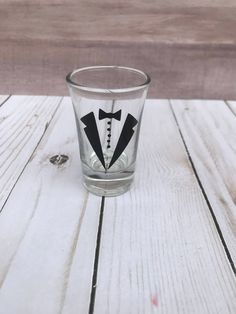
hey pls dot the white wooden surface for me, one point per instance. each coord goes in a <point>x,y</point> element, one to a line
<point>23,121</point>
<point>160,251</point>
<point>167,246</point>
<point>48,221</point>
<point>209,130</point>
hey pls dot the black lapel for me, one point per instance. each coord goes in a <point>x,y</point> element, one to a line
<point>91,131</point>
<point>125,136</point>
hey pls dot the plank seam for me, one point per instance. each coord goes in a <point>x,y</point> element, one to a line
<point>204,195</point>
<point>96,259</point>
<point>40,139</point>
<point>229,107</point>
<point>19,243</point>
<point>73,251</point>
<point>5,101</point>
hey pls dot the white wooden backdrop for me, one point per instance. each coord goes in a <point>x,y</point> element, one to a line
<point>166,246</point>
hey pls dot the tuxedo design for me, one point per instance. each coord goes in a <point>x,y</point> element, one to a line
<point>92,134</point>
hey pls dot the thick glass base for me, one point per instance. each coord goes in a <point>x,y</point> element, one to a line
<point>110,182</point>
<point>112,187</point>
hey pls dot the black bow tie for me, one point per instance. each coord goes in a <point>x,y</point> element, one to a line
<point>103,115</point>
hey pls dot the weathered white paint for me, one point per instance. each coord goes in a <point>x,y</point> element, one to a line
<point>209,130</point>
<point>160,250</point>
<point>23,121</point>
<point>48,230</point>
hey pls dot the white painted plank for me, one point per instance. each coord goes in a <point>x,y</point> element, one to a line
<point>209,129</point>
<point>48,230</point>
<point>23,120</point>
<point>160,250</point>
<point>3,98</point>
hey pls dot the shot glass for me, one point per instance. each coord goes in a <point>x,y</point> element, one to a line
<point>108,104</point>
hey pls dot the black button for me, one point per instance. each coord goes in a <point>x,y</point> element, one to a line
<point>108,141</point>
<point>108,146</point>
<point>108,129</point>
<point>109,122</point>
<point>109,135</point>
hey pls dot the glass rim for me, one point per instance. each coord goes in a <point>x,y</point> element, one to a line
<point>69,80</point>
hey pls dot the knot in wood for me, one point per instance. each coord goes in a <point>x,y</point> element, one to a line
<point>59,159</point>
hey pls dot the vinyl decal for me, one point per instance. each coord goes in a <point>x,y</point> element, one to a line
<point>92,133</point>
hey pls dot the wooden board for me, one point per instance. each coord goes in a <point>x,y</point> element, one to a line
<point>48,228</point>
<point>188,47</point>
<point>24,120</point>
<point>209,130</point>
<point>160,249</point>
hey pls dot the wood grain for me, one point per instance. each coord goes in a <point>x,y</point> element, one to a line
<point>23,121</point>
<point>160,251</point>
<point>209,129</point>
<point>187,47</point>
<point>48,230</point>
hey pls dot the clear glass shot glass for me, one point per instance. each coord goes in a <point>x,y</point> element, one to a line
<point>108,104</point>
